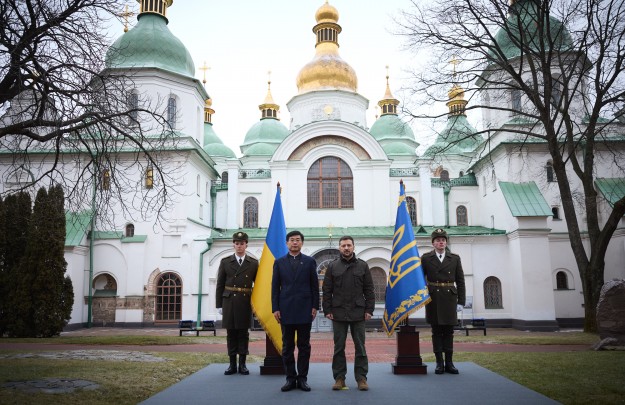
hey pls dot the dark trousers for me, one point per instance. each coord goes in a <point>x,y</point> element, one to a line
<point>442,338</point>
<point>237,341</point>
<point>303,351</point>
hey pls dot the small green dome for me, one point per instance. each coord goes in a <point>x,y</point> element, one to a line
<point>261,149</point>
<point>150,44</point>
<point>389,126</point>
<point>213,144</point>
<point>268,132</point>
<point>527,13</point>
<point>398,148</point>
<point>457,137</point>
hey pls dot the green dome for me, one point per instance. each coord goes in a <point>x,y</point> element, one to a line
<point>150,44</point>
<point>394,135</point>
<point>213,145</point>
<point>457,137</point>
<point>261,149</point>
<point>389,126</point>
<point>526,11</point>
<point>398,148</point>
<point>268,132</point>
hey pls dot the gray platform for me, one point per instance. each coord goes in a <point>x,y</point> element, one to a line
<point>474,385</point>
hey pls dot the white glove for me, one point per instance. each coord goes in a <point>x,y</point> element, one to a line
<point>458,308</point>
<point>219,311</point>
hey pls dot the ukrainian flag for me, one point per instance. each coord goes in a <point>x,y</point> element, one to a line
<point>275,247</point>
<point>406,290</point>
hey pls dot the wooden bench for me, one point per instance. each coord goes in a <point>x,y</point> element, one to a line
<point>476,324</point>
<point>190,326</point>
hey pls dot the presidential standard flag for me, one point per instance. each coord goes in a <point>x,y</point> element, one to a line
<point>406,290</point>
<point>275,247</point>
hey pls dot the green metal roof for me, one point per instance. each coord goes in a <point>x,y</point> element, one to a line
<point>135,239</point>
<point>611,189</point>
<point>525,199</point>
<point>150,44</point>
<point>76,225</point>
<point>322,233</point>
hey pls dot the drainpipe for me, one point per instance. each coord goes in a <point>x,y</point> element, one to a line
<point>446,190</point>
<point>209,243</point>
<point>91,238</point>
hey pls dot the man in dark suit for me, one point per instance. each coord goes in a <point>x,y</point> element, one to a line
<point>235,277</point>
<point>295,302</point>
<point>445,279</point>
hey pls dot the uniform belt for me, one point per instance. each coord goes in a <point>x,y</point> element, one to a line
<point>239,289</point>
<point>435,284</point>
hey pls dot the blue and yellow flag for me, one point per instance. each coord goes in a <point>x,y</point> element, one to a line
<point>275,247</point>
<point>406,290</point>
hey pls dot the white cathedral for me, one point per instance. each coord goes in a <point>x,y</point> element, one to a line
<point>339,176</point>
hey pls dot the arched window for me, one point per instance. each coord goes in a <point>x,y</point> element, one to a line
<point>515,102</point>
<point>171,112</point>
<point>494,180</point>
<point>379,284</point>
<point>461,173</point>
<point>444,175</point>
<point>556,91</point>
<point>168,298</point>
<point>556,212</point>
<point>324,258</point>
<point>224,177</point>
<point>562,281</point>
<point>492,293</point>
<point>250,213</point>
<point>130,231</point>
<point>461,216</point>
<point>549,170</point>
<point>197,185</point>
<point>411,203</point>
<point>133,105</point>
<point>330,184</point>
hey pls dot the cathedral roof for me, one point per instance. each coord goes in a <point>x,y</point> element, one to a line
<point>213,145</point>
<point>525,13</point>
<point>150,44</point>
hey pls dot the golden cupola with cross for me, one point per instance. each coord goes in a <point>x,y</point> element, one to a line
<point>327,70</point>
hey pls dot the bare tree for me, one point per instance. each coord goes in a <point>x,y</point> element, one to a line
<point>556,67</point>
<point>66,118</point>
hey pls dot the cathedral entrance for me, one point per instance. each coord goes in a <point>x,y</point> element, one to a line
<point>168,298</point>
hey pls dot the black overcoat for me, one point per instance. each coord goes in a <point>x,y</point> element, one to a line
<point>442,309</point>
<point>237,309</point>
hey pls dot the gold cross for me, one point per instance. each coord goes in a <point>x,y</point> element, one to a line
<point>126,14</point>
<point>455,62</point>
<point>204,68</point>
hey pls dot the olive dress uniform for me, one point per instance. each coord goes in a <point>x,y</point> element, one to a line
<point>233,294</point>
<point>447,289</point>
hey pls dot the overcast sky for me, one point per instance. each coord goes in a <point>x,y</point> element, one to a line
<point>241,40</point>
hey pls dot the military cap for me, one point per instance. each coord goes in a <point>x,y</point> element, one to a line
<point>239,236</point>
<point>439,233</point>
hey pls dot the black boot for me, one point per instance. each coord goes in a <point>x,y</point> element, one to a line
<point>449,364</point>
<point>440,366</point>
<point>242,368</point>
<point>233,366</point>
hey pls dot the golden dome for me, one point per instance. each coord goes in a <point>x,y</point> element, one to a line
<point>327,13</point>
<point>327,70</point>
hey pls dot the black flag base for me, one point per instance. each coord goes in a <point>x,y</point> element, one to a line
<point>408,359</point>
<point>272,365</point>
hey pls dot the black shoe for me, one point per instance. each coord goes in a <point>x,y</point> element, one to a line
<point>242,367</point>
<point>440,366</point>
<point>449,368</point>
<point>303,385</point>
<point>290,385</point>
<point>231,370</point>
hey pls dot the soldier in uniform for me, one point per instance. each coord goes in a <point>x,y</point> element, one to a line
<point>235,278</point>
<point>445,280</point>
